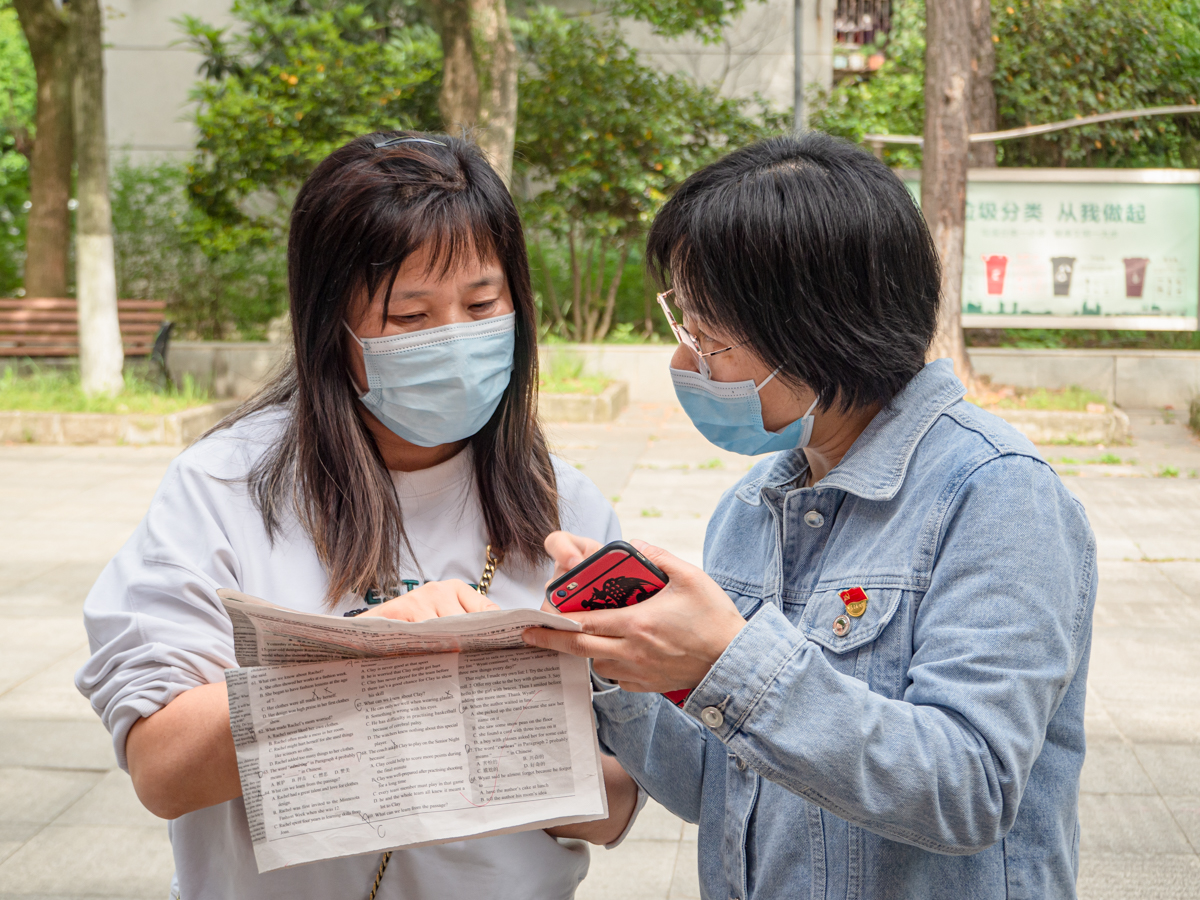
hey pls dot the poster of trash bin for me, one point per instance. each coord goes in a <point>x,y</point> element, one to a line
<point>1081,253</point>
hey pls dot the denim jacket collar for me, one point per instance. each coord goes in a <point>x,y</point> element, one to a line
<point>875,466</point>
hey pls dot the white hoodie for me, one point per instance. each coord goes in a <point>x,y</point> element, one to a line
<point>157,629</point>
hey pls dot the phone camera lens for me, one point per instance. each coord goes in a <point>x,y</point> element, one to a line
<point>561,593</point>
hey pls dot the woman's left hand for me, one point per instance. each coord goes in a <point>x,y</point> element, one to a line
<point>433,600</point>
<point>666,643</point>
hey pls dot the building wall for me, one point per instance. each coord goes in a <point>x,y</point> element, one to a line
<point>757,54</point>
<point>148,75</point>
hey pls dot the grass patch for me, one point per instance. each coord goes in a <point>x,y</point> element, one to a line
<point>58,390</point>
<point>1109,459</point>
<point>1167,472</point>
<point>565,375</point>
<point>651,513</point>
<point>1070,399</point>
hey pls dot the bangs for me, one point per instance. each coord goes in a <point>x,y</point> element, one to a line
<point>395,204</point>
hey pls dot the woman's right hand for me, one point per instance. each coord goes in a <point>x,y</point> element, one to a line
<point>433,600</point>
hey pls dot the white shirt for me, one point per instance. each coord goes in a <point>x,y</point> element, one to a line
<point>157,629</point>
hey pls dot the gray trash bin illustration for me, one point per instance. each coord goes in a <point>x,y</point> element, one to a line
<point>1135,275</point>
<point>1062,267</point>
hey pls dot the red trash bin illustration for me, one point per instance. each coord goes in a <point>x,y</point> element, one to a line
<point>996,266</point>
<point>1135,276</point>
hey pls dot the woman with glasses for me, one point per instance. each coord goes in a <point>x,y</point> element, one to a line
<point>887,648</point>
<point>397,456</point>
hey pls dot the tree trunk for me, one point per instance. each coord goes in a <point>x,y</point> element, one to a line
<point>459,100</point>
<point>479,76</point>
<point>610,302</point>
<point>496,72</point>
<point>983,92</point>
<point>948,46</point>
<point>48,233</point>
<point>100,352</point>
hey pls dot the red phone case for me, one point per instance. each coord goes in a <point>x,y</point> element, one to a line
<point>614,577</point>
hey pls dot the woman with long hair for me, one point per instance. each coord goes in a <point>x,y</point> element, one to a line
<point>397,456</point>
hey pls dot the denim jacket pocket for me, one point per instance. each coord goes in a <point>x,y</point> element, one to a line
<point>820,620</point>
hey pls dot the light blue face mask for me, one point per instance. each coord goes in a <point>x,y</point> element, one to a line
<point>440,385</point>
<point>729,414</point>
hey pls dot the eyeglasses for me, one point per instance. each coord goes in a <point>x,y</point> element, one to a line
<point>686,338</point>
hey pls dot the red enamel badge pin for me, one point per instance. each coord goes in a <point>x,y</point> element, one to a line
<point>855,599</point>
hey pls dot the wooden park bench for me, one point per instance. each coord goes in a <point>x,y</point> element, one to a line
<point>41,326</point>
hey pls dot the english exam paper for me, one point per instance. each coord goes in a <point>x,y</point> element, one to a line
<point>353,737</point>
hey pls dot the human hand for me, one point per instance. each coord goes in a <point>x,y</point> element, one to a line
<point>568,550</point>
<point>432,600</point>
<point>666,643</point>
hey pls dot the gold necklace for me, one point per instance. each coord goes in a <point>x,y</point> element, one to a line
<point>490,563</point>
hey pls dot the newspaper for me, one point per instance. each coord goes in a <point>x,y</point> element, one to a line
<point>365,734</point>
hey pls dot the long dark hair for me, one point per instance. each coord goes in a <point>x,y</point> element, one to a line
<point>359,215</point>
<point>815,254</point>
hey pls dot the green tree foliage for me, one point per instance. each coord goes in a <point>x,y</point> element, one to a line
<point>209,295</point>
<point>292,84</point>
<point>1054,60</point>
<point>18,99</point>
<point>603,139</point>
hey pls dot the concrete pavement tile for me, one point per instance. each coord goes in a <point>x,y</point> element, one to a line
<point>1186,811</point>
<point>682,537</point>
<point>685,882</point>
<point>50,694</point>
<point>110,862</point>
<point>1158,727</point>
<point>111,802</point>
<point>636,869</point>
<point>39,795</point>
<point>1184,575</point>
<point>13,836</point>
<point>1174,768</point>
<point>48,744</point>
<point>1125,823</point>
<point>1128,877</point>
<point>691,832</point>
<point>1133,581</point>
<point>1098,724</point>
<point>1112,768</point>
<point>28,645</point>
<point>656,823</point>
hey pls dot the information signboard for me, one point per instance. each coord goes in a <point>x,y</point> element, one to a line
<point>1081,248</point>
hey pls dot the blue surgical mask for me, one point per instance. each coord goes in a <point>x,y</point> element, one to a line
<point>440,385</point>
<point>729,414</point>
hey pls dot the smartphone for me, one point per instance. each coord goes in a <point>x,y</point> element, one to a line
<point>613,577</point>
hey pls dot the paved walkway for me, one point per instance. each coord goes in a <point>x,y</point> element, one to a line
<point>70,826</point>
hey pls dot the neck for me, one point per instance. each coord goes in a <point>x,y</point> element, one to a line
<point>400,455</point>
<point>833,434</point>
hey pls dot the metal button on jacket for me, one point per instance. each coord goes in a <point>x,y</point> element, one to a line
<point>712,717</point>
<point>841,626</point>
<point>813,519</point>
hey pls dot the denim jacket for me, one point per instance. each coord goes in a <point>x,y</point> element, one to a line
<point>934,749</point>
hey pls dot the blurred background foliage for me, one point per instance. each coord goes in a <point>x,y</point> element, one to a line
<point>602,138</point>
<point>1054,61</point>
<point>18,89</point>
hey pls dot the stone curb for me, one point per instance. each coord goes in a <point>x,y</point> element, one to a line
<point>178,429</point>
<point>602,407</point>
<point>1065,427</point>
